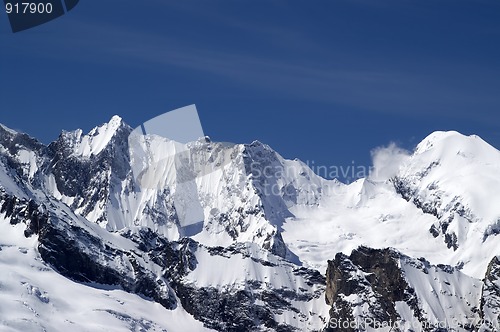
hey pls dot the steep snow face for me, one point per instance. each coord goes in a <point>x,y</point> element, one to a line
<point>203,189</point>
<point>456,178</point>
<point>282,183</point>
<point>456,172</point>
<point>438,206</point>
<point>445,294</point>
<point>96,140</point>
<point>218,193</point>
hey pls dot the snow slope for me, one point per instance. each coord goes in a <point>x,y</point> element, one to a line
<point>34,297</point>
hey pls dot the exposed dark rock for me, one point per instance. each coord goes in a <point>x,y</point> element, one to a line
<point>81,256</point>
<point>490,298</point>
<point>35,216</point>
<point>373,276</point>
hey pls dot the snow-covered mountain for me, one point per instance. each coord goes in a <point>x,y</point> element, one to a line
<point>233,237</point>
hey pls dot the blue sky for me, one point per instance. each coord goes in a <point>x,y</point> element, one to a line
<point>322,81</point>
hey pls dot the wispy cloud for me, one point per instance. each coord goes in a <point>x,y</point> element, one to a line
<point>387,161</point>
<point>340,81</point>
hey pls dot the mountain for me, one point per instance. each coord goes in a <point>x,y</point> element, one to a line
<point>154,235</point>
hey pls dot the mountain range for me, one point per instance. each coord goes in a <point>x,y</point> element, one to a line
<point>212,236</point>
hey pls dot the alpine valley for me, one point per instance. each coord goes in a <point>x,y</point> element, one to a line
<point>85,247</point>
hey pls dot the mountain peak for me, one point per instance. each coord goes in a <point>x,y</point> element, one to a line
<point>450,144</point>
<point>111,126</point>
<point>97,139</point>
<point>115,122</point>
<point>7,129</point>
<point>436,138</point>
<point>116,118</point>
